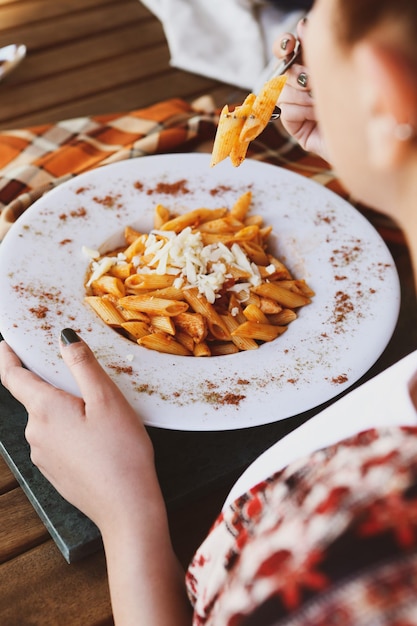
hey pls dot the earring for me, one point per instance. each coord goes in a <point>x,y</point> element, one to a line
<point>404,131</point>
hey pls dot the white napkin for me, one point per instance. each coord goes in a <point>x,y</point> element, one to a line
<point>227,40</point>
<point>381,402</point>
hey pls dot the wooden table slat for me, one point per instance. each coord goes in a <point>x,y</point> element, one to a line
<point>45,35</point>
<point>129,97</point>
<point>40,589</point>
<point>24,13</point>
<point>99,48</point>
<point>7,480</point>
<point>83,82</point>
<point>17,513</point>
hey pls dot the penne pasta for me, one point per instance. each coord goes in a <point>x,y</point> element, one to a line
<point>201,349</point>
<point>137,283</point>
<point>283,296</point>
<point>237,128</point>
<point>258,331</point>
<point>228,133</point>
<point>200,305</point>
<point>106,310</point>
<point>154,306</point>
<point>200,284</point>
<point>163,323</point>
<point>108,284</point>
<point>194,324</point>
<point>163,343</point>
<point>136,329</point>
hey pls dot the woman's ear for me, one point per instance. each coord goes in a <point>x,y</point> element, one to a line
<point>389,101</point>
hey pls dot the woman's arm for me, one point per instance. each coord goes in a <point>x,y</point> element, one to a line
<point>97,454</point>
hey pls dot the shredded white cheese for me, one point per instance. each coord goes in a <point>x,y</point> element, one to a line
<point>206,267</point>
<point>184,255</point>
<point>101,266</point>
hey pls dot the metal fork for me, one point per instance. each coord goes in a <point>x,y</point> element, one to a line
<point>282,67</point>
<point>286,63</point>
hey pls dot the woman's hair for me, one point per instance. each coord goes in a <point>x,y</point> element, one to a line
<point>356,18</point>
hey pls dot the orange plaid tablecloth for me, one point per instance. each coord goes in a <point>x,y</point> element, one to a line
<point>34,160</point>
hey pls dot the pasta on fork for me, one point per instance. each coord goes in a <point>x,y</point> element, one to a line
<point>237,128</point>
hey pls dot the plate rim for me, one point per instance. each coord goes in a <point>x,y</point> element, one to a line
<point>123,166</point>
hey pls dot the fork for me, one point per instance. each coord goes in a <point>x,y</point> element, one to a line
<point>282,67</point>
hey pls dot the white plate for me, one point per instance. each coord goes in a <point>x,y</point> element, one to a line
<point>321,237</point>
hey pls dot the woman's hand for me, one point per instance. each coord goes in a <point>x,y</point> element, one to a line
<point>86,447</point>
<point>296,100</point>
<point>97,454</point>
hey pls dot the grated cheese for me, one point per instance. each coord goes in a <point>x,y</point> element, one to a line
<point>102,266</point>
<point>206,267</point>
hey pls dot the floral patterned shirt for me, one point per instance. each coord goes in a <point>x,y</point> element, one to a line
<point>329,540</point>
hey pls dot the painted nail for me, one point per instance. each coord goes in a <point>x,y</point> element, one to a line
<point>284,43</point>
<point>302,79</point>
<point>69,336</point>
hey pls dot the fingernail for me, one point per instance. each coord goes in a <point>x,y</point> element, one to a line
<point>69,336</point>
<point>302,79</point>
<point>284,43</point>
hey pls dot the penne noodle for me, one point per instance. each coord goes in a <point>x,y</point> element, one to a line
<point>222,225</point>
<point>283,318</point>
<point>283,296</point>
<point>241,207</point>
<point>137,283</point>
<point>236,129</point>
<point>135,248</point>
<point>258,331</point>
<point>108,284</point>
<point>185,340</point>
<point>200,305</point>
<point>247,233</point>
<point>262,108</point>
<point>194,324</point>
<point>161,216</point>
<point>131,234</point>
<point>255,252</point>
<point>169,293</point>
<point>136,329</point>
<point>163,343</point>
<point>228,132</point>
<point>163,323</point>
<point>201,349</point>
<point>106,310</point>
<point>254,219</point>
<point>154,306</point>
<point>121,270</point>
<point>280,271</point>
<point>242,343</point>
<point>269,306</point>
<point>221,349</point>
<point>132,314</point>
<point>192,218</point>
<point>254,314</point>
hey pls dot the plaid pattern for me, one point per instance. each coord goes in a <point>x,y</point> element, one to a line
<point>36,159</point>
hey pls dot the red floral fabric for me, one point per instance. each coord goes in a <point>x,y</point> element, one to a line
<point>332,539</point>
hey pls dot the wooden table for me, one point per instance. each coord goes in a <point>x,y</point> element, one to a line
<point>90,57</point>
